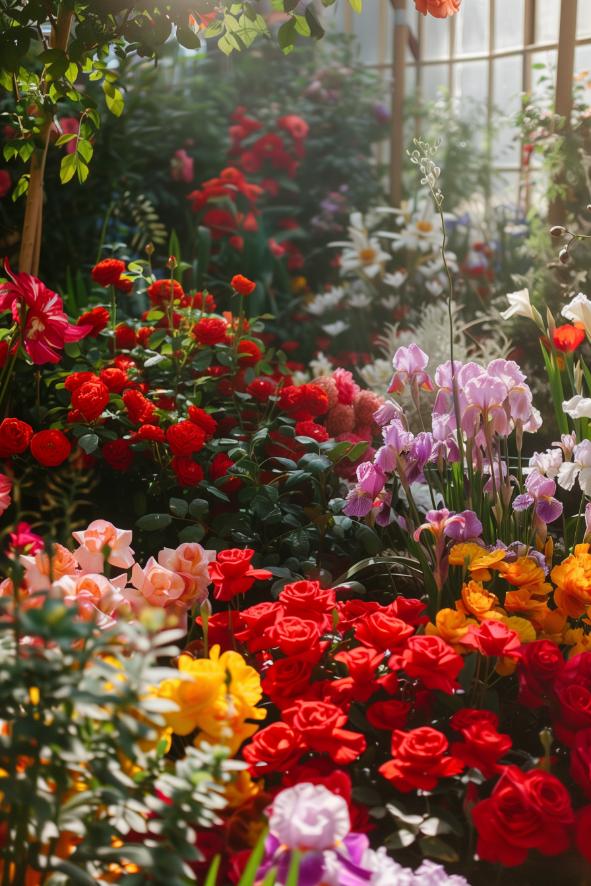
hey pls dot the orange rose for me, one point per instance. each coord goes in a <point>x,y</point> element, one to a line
<point>438,8</point>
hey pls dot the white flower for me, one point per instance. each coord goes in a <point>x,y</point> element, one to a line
<point>361,252</point>
<point>359,300</point>
<point>578,310</point>
<point>300,378</point>
<point>335,328</point>
<point>308,817</point>
<point>377,375</point>
<point>579,467</point>
<point>325,301</point>
<point>396,280</point>
<point>434,287</point>
<point>519,305</point>
<point>548,462</point>
<point>578,407</point>
<point>390,302</point>
<point>321,365</point>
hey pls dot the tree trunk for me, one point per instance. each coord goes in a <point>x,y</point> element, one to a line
<point>31,234</point>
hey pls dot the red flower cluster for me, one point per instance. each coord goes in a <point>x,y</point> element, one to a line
<point>270,149</point>
<point>110,272</point>
<point>232,185</point>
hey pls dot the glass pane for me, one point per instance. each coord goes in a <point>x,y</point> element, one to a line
<point>584,18</point>
<point>505,188</point>
<point>509,28</point>
<point>435,39</point>
<point>434,79</point>
<point>547,21</point>
<point>507,100</point>
<point>471,80</point>
<point>365,28</point>
<point>472,27</point>
<point>583,65</point>
<point>544,71</point>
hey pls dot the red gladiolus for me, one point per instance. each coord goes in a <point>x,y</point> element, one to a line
<point>567,338</point>
<point>242,285</point>
<point>232,574</point>
<point>50,448</point>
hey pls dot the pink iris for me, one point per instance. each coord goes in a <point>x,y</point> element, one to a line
<point>485,406</point>
<point>409,368</point>
<point>540,494</point>
<point>45,328</point>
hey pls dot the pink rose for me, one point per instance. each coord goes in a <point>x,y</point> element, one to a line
<point>100,541</point>
<point>5,490</point>
<point>95,596</point>
<point>191,562</point>
<point>157,585</point>
<point>41,570</point>
<point>181,166</point>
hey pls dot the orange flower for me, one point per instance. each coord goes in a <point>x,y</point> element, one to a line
<point>525,571</point>
<point>553,626</point>
<point>523,602</point>
<point>438,8</point>
<point>476,600</point>
<point>572,578</point>
<point>451,625</point>
<point>475,558</point>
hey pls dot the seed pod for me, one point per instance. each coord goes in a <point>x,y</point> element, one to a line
<point>558,231</point>
<point>563,255</point>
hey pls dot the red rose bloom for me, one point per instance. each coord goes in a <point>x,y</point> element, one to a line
<point>125,337</point>
<point>312,430</point>
<point>249,352</point>
<point>108,271</point>
<point>118,454</point>
<point>431,660</point>
<point>242,285</point>
<point>294,635</point>
<point>541,662</point>
<point>115,379</point>
<point>580,761</point>
<point>163,292</point>
<point>50,447</point>
<point>583,832</point>
<point>482,748</point>
<point>261,389</point>
<point>350,611</point>
<point>75,379</point>
<point>572,688</point>
<point>273,749</point>
<point>185,438</point>
<point>210,331</point>
<point>139,409</point>
<point>410,610</point>
<point>90,399</point>
<point>143,335</point>
<point>361,663</point>
<point>308,600</point>
<point>202,419</point>
<point>468,717</point>
<point>97,319</point>
<point>382,631</point>
<point>218,470</point>
<point>232,574</point>
<point>187,471</point>
<point>420,759</point>
<point>493,639</point>
<point>258,622</point>
<point>388,715</point>
<point>124,285</point>
<point>152,433</point>
<point>320,725</point>
<point>288,679</point>
<point>303,402</point>
<point>526,810</point>
<point>567,338</point>
<point>15,436</point>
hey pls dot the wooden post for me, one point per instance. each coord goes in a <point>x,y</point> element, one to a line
<point>529,38</point>
<point>397,108</point>
<point>565,69</point>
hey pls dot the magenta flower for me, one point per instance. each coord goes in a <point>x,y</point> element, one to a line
<point>484,406</point>
<point>519,396</point>
<point>540,495</point>
<point>371,480</point>
<point>409,369</point>
<point>396,440</point>
<point>181,167</point>
<point>44,327</point>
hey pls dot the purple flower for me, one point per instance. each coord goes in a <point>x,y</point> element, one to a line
<point>464,527</point>
<point>409,368</point>
<point>418,456</point>
<point>387,413</point>
<point>371,480</point>
<point>540,495</point>
<point>519,396</point>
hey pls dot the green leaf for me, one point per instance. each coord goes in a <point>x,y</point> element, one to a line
<point>178,507</point>
<point>152,522</point>
<point>113,98</point>
<point>191,534</point>
<point>433,847</point>
<point>198,507</point>
<point>252,866</point>
<point>286,35</point>
<point>85,149</point>
<point>356,5</point>
<point>89,443</point>
<point>212,874</point>
<point>187,37</point>
<point>68,168</point>
<point>302,26</point>
<point>22,186</point>
<point>224,45</point>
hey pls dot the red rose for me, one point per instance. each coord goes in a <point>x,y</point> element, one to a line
<point>76,379</point>
<point>288,679</point>
<point>210,331</point>
<point>153,434</point>
<point>382,631</point>
<point>50,447</point>
<point>320,726</point>
<point>118,454</point>
<point>526,810</point>
<point>242,285</point>
<point>388,715</point>
<point>275,748</point>
<point>572,688</point>
<point>124,284</point>
<point>185,438</point>
<point>493,639</point>
<point>468,717</point>
<point>125,337</point>
<point>541,662</point>
<point>482,748</point>
<point>303,402</point>
<point>248,352</point>
<point>361,663</point>
<point>115,379</point>
<point>350,611</point>
<point>219,468</point>
<point>187,471</point>
<point>580,761</point>
<point>15,436</point>
<point>144,334</point>
<point>202,419</point>
<point>97,319</point>
<point>431,660</point>
<point>222,628</point>
<point>232,574</point>
<point>139,409</point>
<point>420,759</point>
<point>108,271</point>
<point>258,621</point>
<point>321,771</point>
<point>583,832</point>
<point>308,600</point>
<point>163,292</point>
<point>294,635</point>
<point>261,389</point>
<point>90,399</point>
<point>409,610</point>
<point>312,430</point>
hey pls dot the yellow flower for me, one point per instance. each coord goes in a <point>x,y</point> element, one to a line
<point>241,789</point>
<point>475,558</point>
<point>525,571</point>
<point>524,603</point>
<point>451,625</point>
<point>553,626</point>
<point>476,600</point>
<point>579,640</point>
<point>526,633</point>
<point>572,578</point>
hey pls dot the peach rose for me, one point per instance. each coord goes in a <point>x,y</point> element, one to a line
<point>95,539</point>
<point>94,595</point>
<point>157,585</point>
<point>41,570</point>
<point>191,562</point>
<point>438,8</point>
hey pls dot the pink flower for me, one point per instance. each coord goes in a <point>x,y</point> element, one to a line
<point>44,327</point>
<point>157,585</point>
<point>484,406</point>
<point>5,490</point>
<point>24,540</point>
<point>371,480</point>
<point>347,388</point>
<point>41,570</point>
<point>309,817</point>
<point>95,596</point>
<point>191,562</point>
<point>493,639</point>
<point>540,494</point>
<point>181,166</point>
<point>409,368</point>
<point>102,541</point>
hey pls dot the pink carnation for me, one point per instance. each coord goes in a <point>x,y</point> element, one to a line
<point>340,420</point>
<point>329,387</point>
<point>347,388</point>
